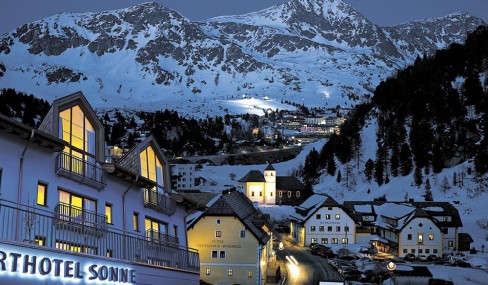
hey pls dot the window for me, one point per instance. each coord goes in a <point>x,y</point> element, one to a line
<point>249,274</point>
<point>40,240</point>
<point>313,240</point>
<point>338,228</point>
<point>420,238</point>
<point>324,240</point>
<point>252,194</point>
<point>312,228</point>
<point>218,234</point>
<point>444,219</point>
<point>76,247</point>
<point>151,167</point>
<point>338,216</point>
<point>1,170</point>
<point>327,216</point>
<point>409,237</point>
<point>108,213</point>
<point>175,230</point>
<point>218,221</point>
<point>135,219</point>
<point>405,250</point>
<point>214,254</point>
<point>230,272</point>
<point>289,194</point>
<point>208,271</point>
<point>318,216</point>
<point>450,243</point>
<point>78,132</point>
<point>280,194</point>
<point>77,206</point>
<point>110,253</point>
<point>431,236</point>
<point>41,194</point>
<point>156,230</point>
<point>222,254</point>
<point>412,250</point>
<point>260,193</point>
<point>298,194</point>
<point>243,233</point>
<point>345,240</point>
<point>329,228</point>
<point>321,228</point>
<point>271,194</point>
<point>366,218</point>
<point>427,250</point>
<point>335,240</point>
<point>420,251</point>
<point>346,229</point>
<point>434,251</point>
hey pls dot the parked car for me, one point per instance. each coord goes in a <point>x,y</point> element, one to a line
<point>432,257</point>
<point>409,256</point>
<point>422,257</point>
<point>315,249</point>
<point>326,252</point>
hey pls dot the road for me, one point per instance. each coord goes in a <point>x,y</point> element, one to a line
<point>302,267</point>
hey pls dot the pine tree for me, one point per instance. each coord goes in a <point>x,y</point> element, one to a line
<point>417,176</point>
<point>378,172</point>
<point>445,185</point>
<point>331,166</point>
<point>368,169</point>
<point>405,160</point>
<point>339,176</point>
<point>428,192</point>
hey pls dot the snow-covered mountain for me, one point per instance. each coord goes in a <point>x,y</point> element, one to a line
<point>321,52</point>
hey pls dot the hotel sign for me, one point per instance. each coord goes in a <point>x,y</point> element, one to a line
<point>21,264</point>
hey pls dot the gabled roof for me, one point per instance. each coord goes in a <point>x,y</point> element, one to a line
<point>269,167</point>
<point>289,183</point>
<point>235,203</point>
<point>131,160</point>
<point>253,176</point>
<point>310,206</point>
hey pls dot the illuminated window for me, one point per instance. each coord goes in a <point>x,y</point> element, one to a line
<point>110,253</point>
<point>338,216</point>
<point>41,194</point>
<point>135,219</point>
<point>324,240</point>
<point>298,194</point>
<point>289,194</point>
<point>76,247</point>
<point>420,238</point>
<point>76,206</point>
<point>312,228</point>
<point>321,228</point>
<point>345,240</point>
<point>280,194</point>
<point>40,241</point>
<point>249,274</point>
<point>335,240</point>
<point>78,132</point>
<point>156,230</point>
<point>230,272</point>
<point>338,228</point>
<point>108,213</point>
<point>151,167</point>
<point>208,271</point>
<point>218,234</point>
<point>313,240</point>
<point>431,236</point>
<point>450,243</point>
<point>327,216</point>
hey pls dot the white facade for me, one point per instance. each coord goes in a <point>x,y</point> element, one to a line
<point>185,176</point>
<point>420,236</point>
<point>270,186</point>
<point>331,226</point>
<point>58,199</point>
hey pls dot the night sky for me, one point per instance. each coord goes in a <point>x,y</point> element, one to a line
<point>14,13</point>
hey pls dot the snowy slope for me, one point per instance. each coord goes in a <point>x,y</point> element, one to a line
<point>150,57</point>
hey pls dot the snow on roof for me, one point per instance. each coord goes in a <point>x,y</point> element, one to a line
<point>314,200</point>
<point>363,208</point>
<point>434,209</point>
<point>393,210</point>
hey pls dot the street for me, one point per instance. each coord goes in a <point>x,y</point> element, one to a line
<point>302,267</point>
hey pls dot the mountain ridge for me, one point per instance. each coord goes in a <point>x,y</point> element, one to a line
<point>157,58</point>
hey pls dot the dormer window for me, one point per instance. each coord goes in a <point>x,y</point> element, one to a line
<point>78,132</point>
<point>151,167</point>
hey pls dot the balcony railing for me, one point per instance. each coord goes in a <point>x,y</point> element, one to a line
<point>159,237</point>
<point>71,217</point>
<point>80,170</point>
<point>158,202</point>
<point>27,224</point>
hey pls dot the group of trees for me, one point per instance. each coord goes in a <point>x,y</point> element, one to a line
<point>27,108</point>
<point>431,115</point>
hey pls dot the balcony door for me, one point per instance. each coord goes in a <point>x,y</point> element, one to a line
<point>152,168</point>
<point>83,210</point>
<point>156,230</point>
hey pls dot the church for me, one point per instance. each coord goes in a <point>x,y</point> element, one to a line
<point>268,188</point>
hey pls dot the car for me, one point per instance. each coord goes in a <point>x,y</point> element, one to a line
<point>327,253</point>
<point>314,250</point>
<point>462,263</point>
<point>410,257</point>
<point>432,257</point>
<point>422,257</point>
